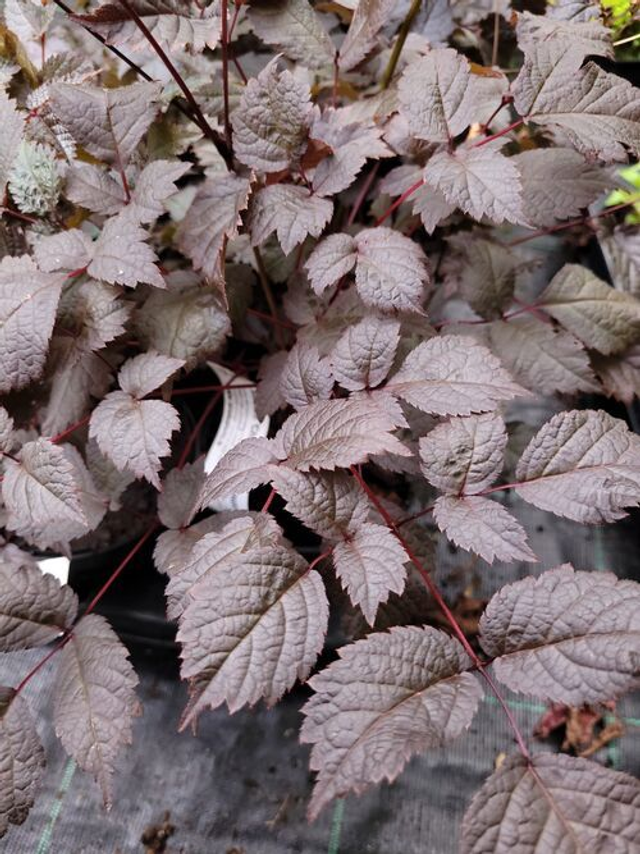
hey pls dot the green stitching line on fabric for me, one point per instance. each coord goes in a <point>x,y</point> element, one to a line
<point>336,828</point>
<point>47,833</point>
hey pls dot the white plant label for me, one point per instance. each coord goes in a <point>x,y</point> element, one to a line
<point>238,421</point>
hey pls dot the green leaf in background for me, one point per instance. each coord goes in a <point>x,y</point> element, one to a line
<point>631,176</point>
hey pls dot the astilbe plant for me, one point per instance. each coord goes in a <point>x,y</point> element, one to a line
<point>222,176</point>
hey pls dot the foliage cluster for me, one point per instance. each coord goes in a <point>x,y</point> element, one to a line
<point>377,213</point>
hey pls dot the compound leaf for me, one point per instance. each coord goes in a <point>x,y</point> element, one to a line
<point>482,526</point>
<point>28,302</point>
<point>121,255</point>
<point>216,549</point>
<point>565,636</point>
<point>108,123</point>
<point>388,697</point>
<point>175,24</point>
<point>34,608</point>
<point>305,377</point>
<point>270,125</point>
<point>370,563</point>
<point>291,211</point>
<point>252,630</point>
<point>600,316</point>
<point>295,27</point>
<point>350,145</point>
<point>368,19</point>
<point>134,434</point>
<point>178,501</point>
<point>213,216</point>
<point>22,759</point>
<point>479,180</point>
<point>363,356</point>
<point>620,375</point>
<point>154,185</point>
<point>41,488</point>
<point>553,802</point>
<point>242,468</point>
<point>94,189</point>
<point>453,375</point>
<point>173,548</point>
<point>595,112</point>
<point>392,271</point>
<point>590,38</point>
<point>488,276</point>
<point>94,701</point>
<point>436,95</point>
<point>463,456</point>
<point>337,434</point>
<point>543,359</point>
<point>329,503</point>
<point>333,258</point>
<point>186,323</point>
<point>66,250</point>
<point>143,374</point>
<point>558,183</point>
<point>583,465</point>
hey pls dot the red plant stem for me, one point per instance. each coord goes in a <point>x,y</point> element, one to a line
<point>61,436</point>
<point>75,273</point>
<point>180,392</point>
<point>114,575</point>
<point>399,201</point>
<point>522,746</point>
<point>435,593</point>
<point>392,525</point>
<point>173,71</point>
<point>199,425</point>
<point>114,50</point>
<point>581,221</point>
<point>500,133</point>
<point>132,553</point>
<point>500,488</point>
<point>362,195</point>
<point>415,516</point>
<point>224,46</point>
<point>320,558</point>
<point>62,642</point>
<point>123,178</point>
<point>269,500</point>
<point>234,19</point>
<point>535,310</point>
<point>270,319</point>
<point>336,80</point>
<point>240,70</point>
<point>121,566</point>
<point>18,215</point>
<point>503,103</point>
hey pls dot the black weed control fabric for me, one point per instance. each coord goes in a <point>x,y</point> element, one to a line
<point>241,784</point>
